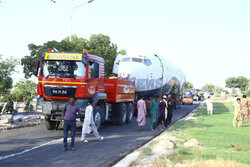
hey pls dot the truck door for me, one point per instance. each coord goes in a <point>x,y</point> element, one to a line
<point>95,82</point>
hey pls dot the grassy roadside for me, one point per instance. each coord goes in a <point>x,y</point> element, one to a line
<point>219,138</point>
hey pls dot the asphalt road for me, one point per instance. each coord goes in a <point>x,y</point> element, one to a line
<point>38,147</point>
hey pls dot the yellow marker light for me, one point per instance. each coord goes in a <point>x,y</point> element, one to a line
<point>63,56</point>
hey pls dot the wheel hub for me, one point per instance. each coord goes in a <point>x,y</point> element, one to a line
<point>97,119</point>
<point>124,116</point>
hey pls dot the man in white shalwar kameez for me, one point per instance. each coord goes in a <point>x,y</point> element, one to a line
<point>209,104</point>
<point>235,100</point>
<point>89,124</point>
<point>166,109</point>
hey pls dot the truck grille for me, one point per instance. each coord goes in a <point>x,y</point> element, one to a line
<point>61,91</point>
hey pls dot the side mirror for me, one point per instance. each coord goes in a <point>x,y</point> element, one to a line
<point>36,67</point>
<point>90,62</point>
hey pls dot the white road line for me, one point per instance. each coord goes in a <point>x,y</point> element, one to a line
<point>33,148</point>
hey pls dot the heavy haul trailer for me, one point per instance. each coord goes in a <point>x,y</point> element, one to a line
<point>61,75</point>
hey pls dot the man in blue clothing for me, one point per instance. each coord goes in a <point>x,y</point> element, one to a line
<point>69,114</point>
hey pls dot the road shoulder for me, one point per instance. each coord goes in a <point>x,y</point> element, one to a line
<point>157,147</point>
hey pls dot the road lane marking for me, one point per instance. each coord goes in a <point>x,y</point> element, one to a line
<point>30,149</point>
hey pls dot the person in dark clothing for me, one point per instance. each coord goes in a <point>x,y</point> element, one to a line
<point>69,114</point>
<point>162,106</point>
<point>9,106</point>
<point>170,110</point>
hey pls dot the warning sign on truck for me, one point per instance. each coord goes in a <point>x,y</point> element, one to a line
<point>63,56</point>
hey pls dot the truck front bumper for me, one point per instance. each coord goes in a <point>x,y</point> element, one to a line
<point>47,107</point>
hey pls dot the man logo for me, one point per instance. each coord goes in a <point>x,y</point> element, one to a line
<point>126,89</point>
<point>59,91</point>
<point>91,90</point>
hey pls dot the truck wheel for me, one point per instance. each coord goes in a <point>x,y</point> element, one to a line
<point>114,113</point>
<point>121,113</point>
<point>130,110</point>
<point>98,117</point>
<point>113,119</point>
<point>148,112</point>
<point>50,125</point>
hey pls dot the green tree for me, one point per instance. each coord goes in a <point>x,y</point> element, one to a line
<point>7,67</point>
<point>247,92</point>
<point>24,90</point>
<point>218,90</point>
<point>123,52</point>
<point>240,82</point>
<point>101,45</point>
<point>188,85</point>
<point>98,44</point>
<point>208,87</point>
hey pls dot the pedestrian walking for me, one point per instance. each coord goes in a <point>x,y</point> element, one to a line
<point>142,112</point>
<point>88,125</point>
<point>69,114</point>
<point>154,113</point>
<point>237,114</point>
<point>165,99</point>
<point>209,104</point>
<point>245,112</point>
<point>170,110</point>
<point>162,106</point>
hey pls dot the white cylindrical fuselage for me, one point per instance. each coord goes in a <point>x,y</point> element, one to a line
<point>153,75</point>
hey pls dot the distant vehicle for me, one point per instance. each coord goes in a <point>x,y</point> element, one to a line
<point>206,94</point>
<point>187,98</point>
<point>153,76</point>
<point>197,94</point>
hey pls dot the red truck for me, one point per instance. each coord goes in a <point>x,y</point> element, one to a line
<point>62,74</point>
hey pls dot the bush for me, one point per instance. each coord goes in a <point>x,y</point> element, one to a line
<point>147,151</point>
<point>247,92</point>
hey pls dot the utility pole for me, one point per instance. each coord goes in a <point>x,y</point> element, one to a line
<point>71,9</point>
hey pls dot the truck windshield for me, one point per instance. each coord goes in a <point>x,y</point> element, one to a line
<point>187,95</point>
<point>63,69</point>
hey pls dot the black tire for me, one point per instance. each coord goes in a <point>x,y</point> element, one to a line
<point>98,116</point>
<point>130,112</point>
<point>50,125</point>
<point>119,113</point>
<point>113,114</point>
<point>148,110</point>
<point>113,119</point>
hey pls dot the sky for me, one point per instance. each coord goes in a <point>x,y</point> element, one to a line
<point>209,40</point>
